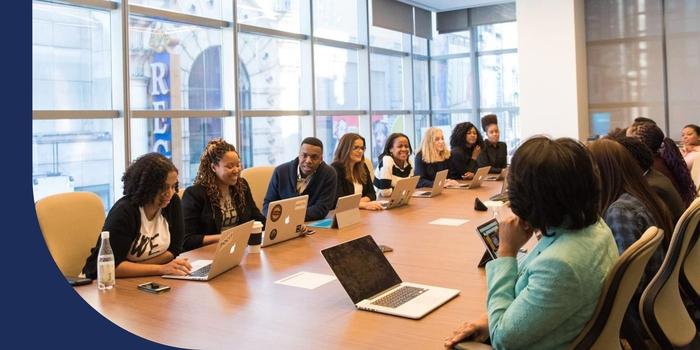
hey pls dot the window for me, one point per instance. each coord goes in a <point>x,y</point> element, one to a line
<point>329,129</point>
<point>284,15</point>
<point>208,8</point>
<point>387,82</point>
<point>272,140</point>
<point>339,20</point>
<point>451,83</point>
<point>498,80</point>
<point>336,78</point>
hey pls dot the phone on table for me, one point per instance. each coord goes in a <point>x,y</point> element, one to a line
<point>153,287</point>
<point>78,281</point>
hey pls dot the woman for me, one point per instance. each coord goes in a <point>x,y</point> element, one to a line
<point>432,157</point>
<point>353,175</point>
<point>465,144</point>
<point>667,159</point>
<point>393,164</point>
<point>629,206</point>
<point>219,198</point>
<point>495,153</point>
<point>145,226</point>
<point>691,144</point>
<point>545,302</point>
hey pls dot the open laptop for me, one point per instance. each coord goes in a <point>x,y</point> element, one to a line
<point>503,196</point>
<point>497,177</point>
<point>379,288</point>
<point>229,253</point>
<point>285,218</point>
<point>346,213</point>
<point>438,184</point>
<point>488,232</point>
<point>401,194</point>
<point>476,180</point>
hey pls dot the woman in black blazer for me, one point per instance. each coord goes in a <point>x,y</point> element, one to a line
<point>219,198</point>
<point>466,144</point>
<point>495,152</point>
<point>353,175</point>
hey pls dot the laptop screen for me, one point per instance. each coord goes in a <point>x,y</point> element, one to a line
<point>361,268</point>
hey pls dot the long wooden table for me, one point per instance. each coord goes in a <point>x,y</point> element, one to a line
<point>244,309</point>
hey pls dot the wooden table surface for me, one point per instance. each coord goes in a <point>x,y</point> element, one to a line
<point>244,309</point>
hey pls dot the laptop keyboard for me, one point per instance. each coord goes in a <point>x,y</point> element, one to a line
<point>201,272</point>
<point>399,296</point>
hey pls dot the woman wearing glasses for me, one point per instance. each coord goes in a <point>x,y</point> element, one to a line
<point>353,175</point>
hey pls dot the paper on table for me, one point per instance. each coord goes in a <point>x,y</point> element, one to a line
<point>308,280</point>
<point>449,222</point>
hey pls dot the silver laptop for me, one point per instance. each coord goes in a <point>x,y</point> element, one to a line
<point>346,213</point>
<point>229,253</point>
<point>285,218</point>
<point>476,180</point>
<point>401,194</point>
<point>488,232</point>
<point>497,177</point>
<point>503,196</point>
<point>438,184</point>
<point>379,288</point>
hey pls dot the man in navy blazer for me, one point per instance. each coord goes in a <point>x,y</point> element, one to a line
<point>306,175</point>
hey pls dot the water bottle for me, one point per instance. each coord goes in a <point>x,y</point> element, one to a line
<point>105,264</point>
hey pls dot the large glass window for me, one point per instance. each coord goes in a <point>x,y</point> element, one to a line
<point>208,8</point>
<point>337,78</point>
<point>272,140</point>
<point>339,20</point>
<point>71,58</point>
<point>387,79</point>
<point>284,15</point>
<point>498,80</point>
<point>329,129</point>
<point>498,36</point>
<point>270,71</point>
<point>451,83</point>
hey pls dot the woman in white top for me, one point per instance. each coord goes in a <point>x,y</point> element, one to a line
<point>394,164</point>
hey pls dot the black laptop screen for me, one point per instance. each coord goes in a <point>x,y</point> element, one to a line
<point>361,268</point>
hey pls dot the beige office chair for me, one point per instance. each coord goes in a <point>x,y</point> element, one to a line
<point>662,310</point>
<point>603,330</point>
<point>70,223</point>
<point>258,178</point>
<point>695,174</point>
<point>181,193</point>
<point>370,167</point>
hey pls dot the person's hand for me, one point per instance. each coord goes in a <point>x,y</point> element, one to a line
<point>477,331</point>
<point>513,234</point>
<point>373,205</point>
<point>177,267</point>
<point>468,175</point>
<point>451,183</point>
<point>476,151</point>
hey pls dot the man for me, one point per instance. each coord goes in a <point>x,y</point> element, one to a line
<point>305,175</point>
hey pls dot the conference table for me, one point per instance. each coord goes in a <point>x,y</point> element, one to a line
<point>245,309</point>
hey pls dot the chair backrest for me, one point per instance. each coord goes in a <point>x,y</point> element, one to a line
<point>368,161</point>
<point>258,178</point>
<point>695,173</point>
<point>603,330</point>
<point>181,193</point>
<point>70,223</point>
<point>662,310</point>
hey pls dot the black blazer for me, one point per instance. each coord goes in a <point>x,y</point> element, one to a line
<point>124,225</point>
<point>494,155</point>
<point>461,162</point>
<point>346,187</point>
<point>202,219</point>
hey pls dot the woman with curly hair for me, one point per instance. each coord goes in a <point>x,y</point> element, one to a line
<point>691,144</point>
<point>466,144</point>
<point>352,172</point>
<point>219,198</point>
<point>145,226</point>
<point>667,158</point>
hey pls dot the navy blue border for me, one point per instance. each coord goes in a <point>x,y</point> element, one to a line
<point>38,304</point>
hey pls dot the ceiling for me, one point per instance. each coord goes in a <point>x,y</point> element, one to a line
<point>447,5</point>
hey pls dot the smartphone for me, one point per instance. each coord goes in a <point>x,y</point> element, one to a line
<point>78,281</point>
<point>153,287</point>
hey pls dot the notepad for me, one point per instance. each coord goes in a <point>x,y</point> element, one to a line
<point>323,223</point>
<point>306,280</point>
<point>449,222</point>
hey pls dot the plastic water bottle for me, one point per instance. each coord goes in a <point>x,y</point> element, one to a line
<point>105,264</point>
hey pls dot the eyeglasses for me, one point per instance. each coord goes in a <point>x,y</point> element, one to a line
<point>358,148</point>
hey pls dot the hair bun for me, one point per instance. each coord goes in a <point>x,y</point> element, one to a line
<point>488,120</point>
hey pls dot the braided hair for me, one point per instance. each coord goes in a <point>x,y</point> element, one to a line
<point>206,177</point>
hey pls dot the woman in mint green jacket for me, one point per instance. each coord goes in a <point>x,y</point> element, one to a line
<point>545,302</point>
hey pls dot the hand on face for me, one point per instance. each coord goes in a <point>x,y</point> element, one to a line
<point>513,233</point>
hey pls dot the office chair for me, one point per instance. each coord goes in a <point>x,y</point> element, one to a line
<point>259,179</point>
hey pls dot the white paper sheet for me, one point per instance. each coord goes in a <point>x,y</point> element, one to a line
<point>307,280</point>
<point>449,222</point>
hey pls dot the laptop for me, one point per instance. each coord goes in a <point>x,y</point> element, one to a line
<point>497,177</point>
<point>285,218</point>
<point>479,176</point>
<point>229,253</point>
<point>438,184</point>
<point>379,288</point>
<point>488,233</point>
<point>503,196</point>
<point>401,194</point>
<point>346,213</point>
